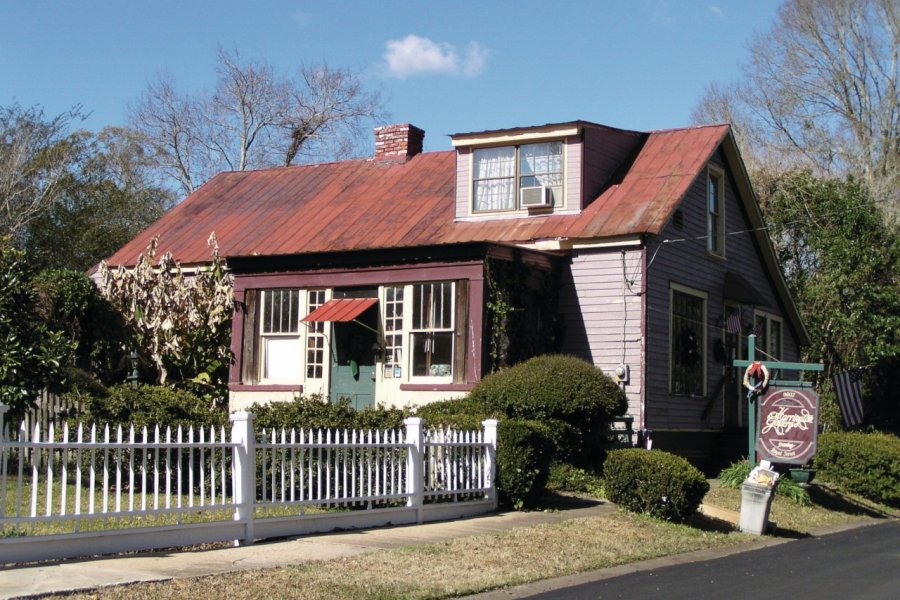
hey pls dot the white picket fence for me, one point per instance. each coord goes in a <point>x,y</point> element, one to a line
<point>98,490</point>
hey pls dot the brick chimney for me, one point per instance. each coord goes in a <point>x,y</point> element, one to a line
<point>398,142</point>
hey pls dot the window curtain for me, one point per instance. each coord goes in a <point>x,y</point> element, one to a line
<point>495,171</point>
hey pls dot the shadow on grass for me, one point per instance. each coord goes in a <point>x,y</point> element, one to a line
<point>562,501</point>
<point>833,499</point>
<point>712,524</point>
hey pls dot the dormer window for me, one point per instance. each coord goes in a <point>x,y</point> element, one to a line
<point>508,178</point>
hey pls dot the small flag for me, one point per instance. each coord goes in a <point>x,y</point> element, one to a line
<point>848,387</point>
<point>733,323</point>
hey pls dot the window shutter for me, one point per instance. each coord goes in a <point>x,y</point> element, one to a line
<point>250,343</point>
<point>462,326</point>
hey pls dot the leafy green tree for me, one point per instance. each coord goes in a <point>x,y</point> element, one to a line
<point>103,201</point>
<point>69,302</point>
<point>32,356</point>
<point>840,259</point>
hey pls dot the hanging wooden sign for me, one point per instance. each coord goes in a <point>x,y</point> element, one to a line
<point>788,422</point>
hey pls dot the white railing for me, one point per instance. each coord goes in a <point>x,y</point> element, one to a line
<point>93,490</point>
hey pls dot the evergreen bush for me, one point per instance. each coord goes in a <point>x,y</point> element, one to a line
<point>653,482</point>
<point>314,412</point>
<point>867,464</point>
<point>524,453</point>
<point>151,405</point>
<point>570,396</point>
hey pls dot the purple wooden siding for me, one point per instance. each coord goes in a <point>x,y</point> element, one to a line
<point>573,170</point>
<point>605,151</point>
<point>603,316</point>
<point>463,181</point>
<point>689,264</point>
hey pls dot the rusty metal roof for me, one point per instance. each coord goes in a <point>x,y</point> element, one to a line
<point>366,204</point>
<point>340,310</point>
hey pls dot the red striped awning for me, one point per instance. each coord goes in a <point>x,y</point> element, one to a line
<point>342,310</point>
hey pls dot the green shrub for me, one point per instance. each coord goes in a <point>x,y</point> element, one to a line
<point>791,490</point>
<point>867,464</point>
<point>574,399</point>
<point>464,413</point>
<point>314,412</point>
<point>657,483</point>
<point>734,474</point>
<point>568,478</point>
<point>524,453</point>
<point>151,405</point>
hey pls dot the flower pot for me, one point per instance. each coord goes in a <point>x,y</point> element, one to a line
<point>802,476</point>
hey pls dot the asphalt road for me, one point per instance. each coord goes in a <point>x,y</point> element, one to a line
<point>859,564</point>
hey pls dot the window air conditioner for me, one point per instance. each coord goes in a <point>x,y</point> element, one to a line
<point>537,196</point>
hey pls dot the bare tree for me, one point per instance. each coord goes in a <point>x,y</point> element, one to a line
<point>36,154</point>
<point>254,118</point>
<point>822,90</point>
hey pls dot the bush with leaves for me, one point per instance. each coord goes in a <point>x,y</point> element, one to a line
<point>653,482</point>
<point>315,412</point>
<point>71,303</point>
<point>570,396</point>
<point>867,464</point>
<point>524,453</point>
<point>149,405</point>
<point>32,356</point>
<point>736,473</point>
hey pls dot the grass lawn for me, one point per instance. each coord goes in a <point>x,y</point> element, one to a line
<point>473,564</point>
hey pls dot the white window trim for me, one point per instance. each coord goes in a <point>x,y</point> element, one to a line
<point>677,287</point>
<point>326,336</point>
<point>299,335</point>
<point>770,318</point>
<point>409,332</point>
<point>713,171</point>
<point>519,211</point>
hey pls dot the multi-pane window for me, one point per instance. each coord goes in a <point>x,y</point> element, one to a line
<point>541,165</point>
<point>432,329</point>
<point>315,337</point>
<point>393,331</point>
<point>715,214</point>
<point>279,334</point>
<point>499,174</point>
<point>769,336</point>
<point>688,343</point>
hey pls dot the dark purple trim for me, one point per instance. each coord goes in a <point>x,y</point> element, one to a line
<point>265,387</point>
<point>237,340</point>
<point>436,387</point>
<point>361,276</point>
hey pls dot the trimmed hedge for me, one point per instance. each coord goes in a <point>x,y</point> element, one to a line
<point>570,396</point>
<point>653,482</point>
<point>867,464</point>
<point>315,412</point>
<point>150,405</point>
<point>524,454</point>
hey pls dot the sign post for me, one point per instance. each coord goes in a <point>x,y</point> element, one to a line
<point>796,386</point>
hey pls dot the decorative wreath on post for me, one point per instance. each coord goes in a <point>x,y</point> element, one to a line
<point>761,373</point>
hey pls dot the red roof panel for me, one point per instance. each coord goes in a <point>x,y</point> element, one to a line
<point>340,310</point>
<point>365,204</point>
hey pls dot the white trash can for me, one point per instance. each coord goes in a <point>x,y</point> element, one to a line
<point>756,501</point>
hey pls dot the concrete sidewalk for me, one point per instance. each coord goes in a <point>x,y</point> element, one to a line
<point>88,573</point>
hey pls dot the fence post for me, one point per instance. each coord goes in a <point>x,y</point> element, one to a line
<point>415,466</point>
<point>243,472</point>
<point>3,409</point>
<point>490,459</point>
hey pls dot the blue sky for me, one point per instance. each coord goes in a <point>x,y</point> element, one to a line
<point>448,67</point>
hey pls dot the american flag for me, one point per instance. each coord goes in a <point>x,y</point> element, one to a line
<point>848,387</point>
<point>733,323</point>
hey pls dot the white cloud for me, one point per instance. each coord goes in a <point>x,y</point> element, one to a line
<point>301,17</point>
<point>717,10</point>
<point>416,55</point>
